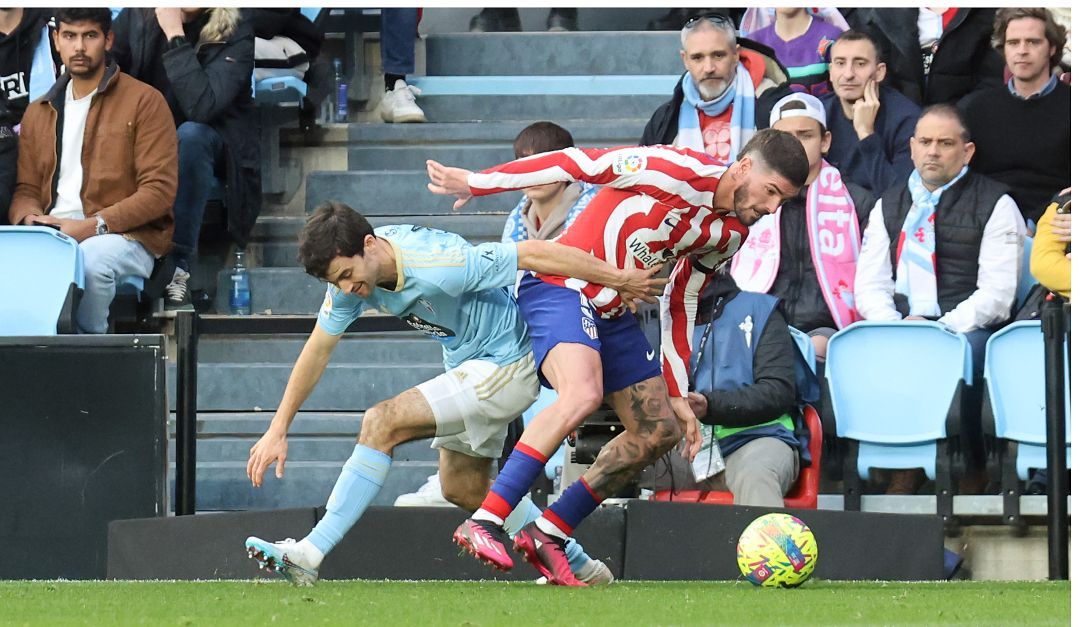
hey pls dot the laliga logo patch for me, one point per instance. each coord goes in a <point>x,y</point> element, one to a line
<point>629,164</point>
<point>327,305</point>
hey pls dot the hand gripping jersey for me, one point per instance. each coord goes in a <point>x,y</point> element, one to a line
<point>657,205</point>
<point>447,288</point>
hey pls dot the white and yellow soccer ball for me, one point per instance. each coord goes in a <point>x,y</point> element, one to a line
<point>777,550</point>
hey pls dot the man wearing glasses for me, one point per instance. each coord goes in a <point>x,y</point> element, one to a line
<point>729,85</point>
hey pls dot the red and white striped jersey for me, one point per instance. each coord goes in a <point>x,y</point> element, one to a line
<point>658,205</point>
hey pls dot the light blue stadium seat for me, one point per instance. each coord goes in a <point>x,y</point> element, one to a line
<point>38,266</point>
<point>310,12</point>
<point>895,389</point>
<point>806,347</point>
<point>1015,375</point>
<point>1027,280</point>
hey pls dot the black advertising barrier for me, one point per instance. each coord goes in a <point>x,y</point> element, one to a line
<point>83,441</point>
<point>645,541</point>
<point>1054,328</point>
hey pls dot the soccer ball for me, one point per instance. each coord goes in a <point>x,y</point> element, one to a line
<point>777,550</point>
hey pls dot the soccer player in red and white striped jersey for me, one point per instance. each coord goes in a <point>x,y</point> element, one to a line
<point>660,203</point>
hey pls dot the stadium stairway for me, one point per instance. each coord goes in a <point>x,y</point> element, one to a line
<point>480,90</point>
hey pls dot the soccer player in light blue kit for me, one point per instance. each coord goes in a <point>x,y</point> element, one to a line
<point>457,293</point>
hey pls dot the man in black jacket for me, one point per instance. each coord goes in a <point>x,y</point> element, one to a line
<point>722,71</point>
<point>202,61</point>
<point>782,257</point>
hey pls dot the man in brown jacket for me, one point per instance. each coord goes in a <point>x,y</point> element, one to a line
<point>97,161</point>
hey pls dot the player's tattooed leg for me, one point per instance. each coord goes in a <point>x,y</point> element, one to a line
<point>651,431</point>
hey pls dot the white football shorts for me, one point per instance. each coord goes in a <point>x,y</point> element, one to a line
<point>474,403</point>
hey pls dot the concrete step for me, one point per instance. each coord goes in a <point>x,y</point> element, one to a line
<point>585,132</point>
<point>276,290</point>
<point>280,251</point>
<point>553,54</point>
<point>343,387</point>
<point>306,423</point>
<point>468,225</point>
<point>224,485</point>
<point>372,348</point>
<point>405,193</point>
<point>528,109</point>
<point>469,156</point>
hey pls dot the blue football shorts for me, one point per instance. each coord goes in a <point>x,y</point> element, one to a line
<point>556,314</point>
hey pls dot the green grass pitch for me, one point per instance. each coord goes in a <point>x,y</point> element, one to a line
<point>495,603</point>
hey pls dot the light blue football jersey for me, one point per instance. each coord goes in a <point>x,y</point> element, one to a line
<point>447,288</point>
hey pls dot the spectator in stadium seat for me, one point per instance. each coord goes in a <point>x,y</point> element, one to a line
<point>801,41</point>
<point>1051,252</point>
<point>98,161</point>
<point>934,55</point>
<point>725,94</point>
<point>397,43</point>
<point>956,237</point>
<point>750,402</point>
<point>27,70</point>
<point>1023,128</point>
<point>814,281</point>
<point>201,60</point>
<point>871,124</point>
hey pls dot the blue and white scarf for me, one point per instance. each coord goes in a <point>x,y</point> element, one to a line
<point>515,229</point>
<point>916,257</point>
<point>739,95</point>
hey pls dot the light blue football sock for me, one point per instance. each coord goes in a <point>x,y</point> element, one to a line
<point>361,479</point>
<point>526,512</point>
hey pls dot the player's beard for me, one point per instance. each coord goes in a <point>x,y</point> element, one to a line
<point>743,211</point>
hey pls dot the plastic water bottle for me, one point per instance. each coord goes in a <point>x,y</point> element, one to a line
<point>341,93</point>
<point>240,294</point>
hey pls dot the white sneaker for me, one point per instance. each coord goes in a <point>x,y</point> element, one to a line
<point>176,292</point>
<point>595,573</point>
<point>399,105</point>
<point>287,558</point>
<point>428,495</point>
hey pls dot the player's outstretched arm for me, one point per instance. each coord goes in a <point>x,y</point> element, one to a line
<point>673,176</point>
<point>557,259</point>
<point>273,447</point>
<point>448,181</point>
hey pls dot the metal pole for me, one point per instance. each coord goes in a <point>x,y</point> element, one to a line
<point>187,379</point>
<point>1053,328</point>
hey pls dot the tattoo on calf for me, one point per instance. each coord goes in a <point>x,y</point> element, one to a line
<point>652,431</point>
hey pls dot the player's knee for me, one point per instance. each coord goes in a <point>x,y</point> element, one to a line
<point>581,398</point>
<point>465,496</point>
<point>378,428</point>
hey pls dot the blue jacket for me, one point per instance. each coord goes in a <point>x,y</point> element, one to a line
<point>881,159</point>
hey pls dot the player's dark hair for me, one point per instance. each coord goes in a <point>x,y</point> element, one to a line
<point>333,230</point>
<point>541,137</point>
<point>780,152</point>
<point>947,110</point>
<point>856,34</point>
<point>100,16</point>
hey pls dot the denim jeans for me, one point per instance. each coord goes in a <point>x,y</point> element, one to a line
<point>106,258</point>
<point>202,150</point>
<point>397,41</point>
